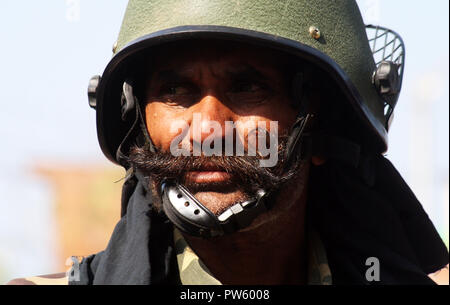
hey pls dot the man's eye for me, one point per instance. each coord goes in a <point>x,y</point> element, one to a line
<point>247,87</point>
<point>249,93</point>
<point>180,95</point>
<point>175,90</point>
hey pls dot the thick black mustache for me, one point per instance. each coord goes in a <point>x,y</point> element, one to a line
<point>245,169</point>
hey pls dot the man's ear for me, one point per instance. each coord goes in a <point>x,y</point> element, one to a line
<point>317,161</point>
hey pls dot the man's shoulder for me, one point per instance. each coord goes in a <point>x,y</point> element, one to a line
<point>441,276</point>
<point>49,279</point>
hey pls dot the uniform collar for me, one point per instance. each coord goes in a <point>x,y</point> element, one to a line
<point>193,272</point>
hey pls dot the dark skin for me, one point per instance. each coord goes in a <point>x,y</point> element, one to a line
<point>239,84</point>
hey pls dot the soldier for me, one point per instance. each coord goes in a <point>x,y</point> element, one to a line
<point>194,88</point>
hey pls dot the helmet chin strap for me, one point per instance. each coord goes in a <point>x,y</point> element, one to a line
<point>192,217</point>
<point>186,212</point>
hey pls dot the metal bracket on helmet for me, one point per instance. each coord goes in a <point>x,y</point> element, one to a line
<point>92,90</point>
<point>193,218</point>
<point>296,138</point>
<point>127,101</point>
<point>388,51</point>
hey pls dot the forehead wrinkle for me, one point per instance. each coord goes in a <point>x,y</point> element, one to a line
<point>245,71</point>
<point>178,74</point>
<point>221,63</point>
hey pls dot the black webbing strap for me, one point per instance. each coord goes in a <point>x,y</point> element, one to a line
<point>138,128</point>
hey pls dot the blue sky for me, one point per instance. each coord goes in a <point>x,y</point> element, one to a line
<point>50,49</point>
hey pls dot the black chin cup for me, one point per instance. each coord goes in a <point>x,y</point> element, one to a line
<point>193,218</point>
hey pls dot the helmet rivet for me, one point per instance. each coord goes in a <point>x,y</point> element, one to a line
<point>314,32</point>
<point>114,48</point>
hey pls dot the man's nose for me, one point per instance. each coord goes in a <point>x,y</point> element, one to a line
<point>208,119</point>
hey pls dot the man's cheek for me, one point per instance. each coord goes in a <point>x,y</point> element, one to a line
<point>179,135</point>
<point>159,129</point>
<point>158,126</point>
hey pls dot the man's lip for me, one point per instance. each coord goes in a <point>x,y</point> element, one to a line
<point>207,176</point>
<point>208,167</point>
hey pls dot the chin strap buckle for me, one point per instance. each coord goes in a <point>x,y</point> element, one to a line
<point>241,215</point>
<point>193,218</point>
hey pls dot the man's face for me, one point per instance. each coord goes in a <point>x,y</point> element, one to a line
<point>214,82</point>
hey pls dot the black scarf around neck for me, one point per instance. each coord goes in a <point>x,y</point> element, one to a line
<point>140,251</point>
<point>359,213</point>
<point>370,212</point>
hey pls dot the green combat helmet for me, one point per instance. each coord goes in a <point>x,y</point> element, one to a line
<point>328,34</point>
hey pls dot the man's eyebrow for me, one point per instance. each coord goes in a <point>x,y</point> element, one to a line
<point>245,72</point>
<point>173,75</point>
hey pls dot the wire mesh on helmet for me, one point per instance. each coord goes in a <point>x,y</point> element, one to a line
<point>387,46</point>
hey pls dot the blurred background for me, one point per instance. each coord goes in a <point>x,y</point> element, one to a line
<point>59,196</point>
